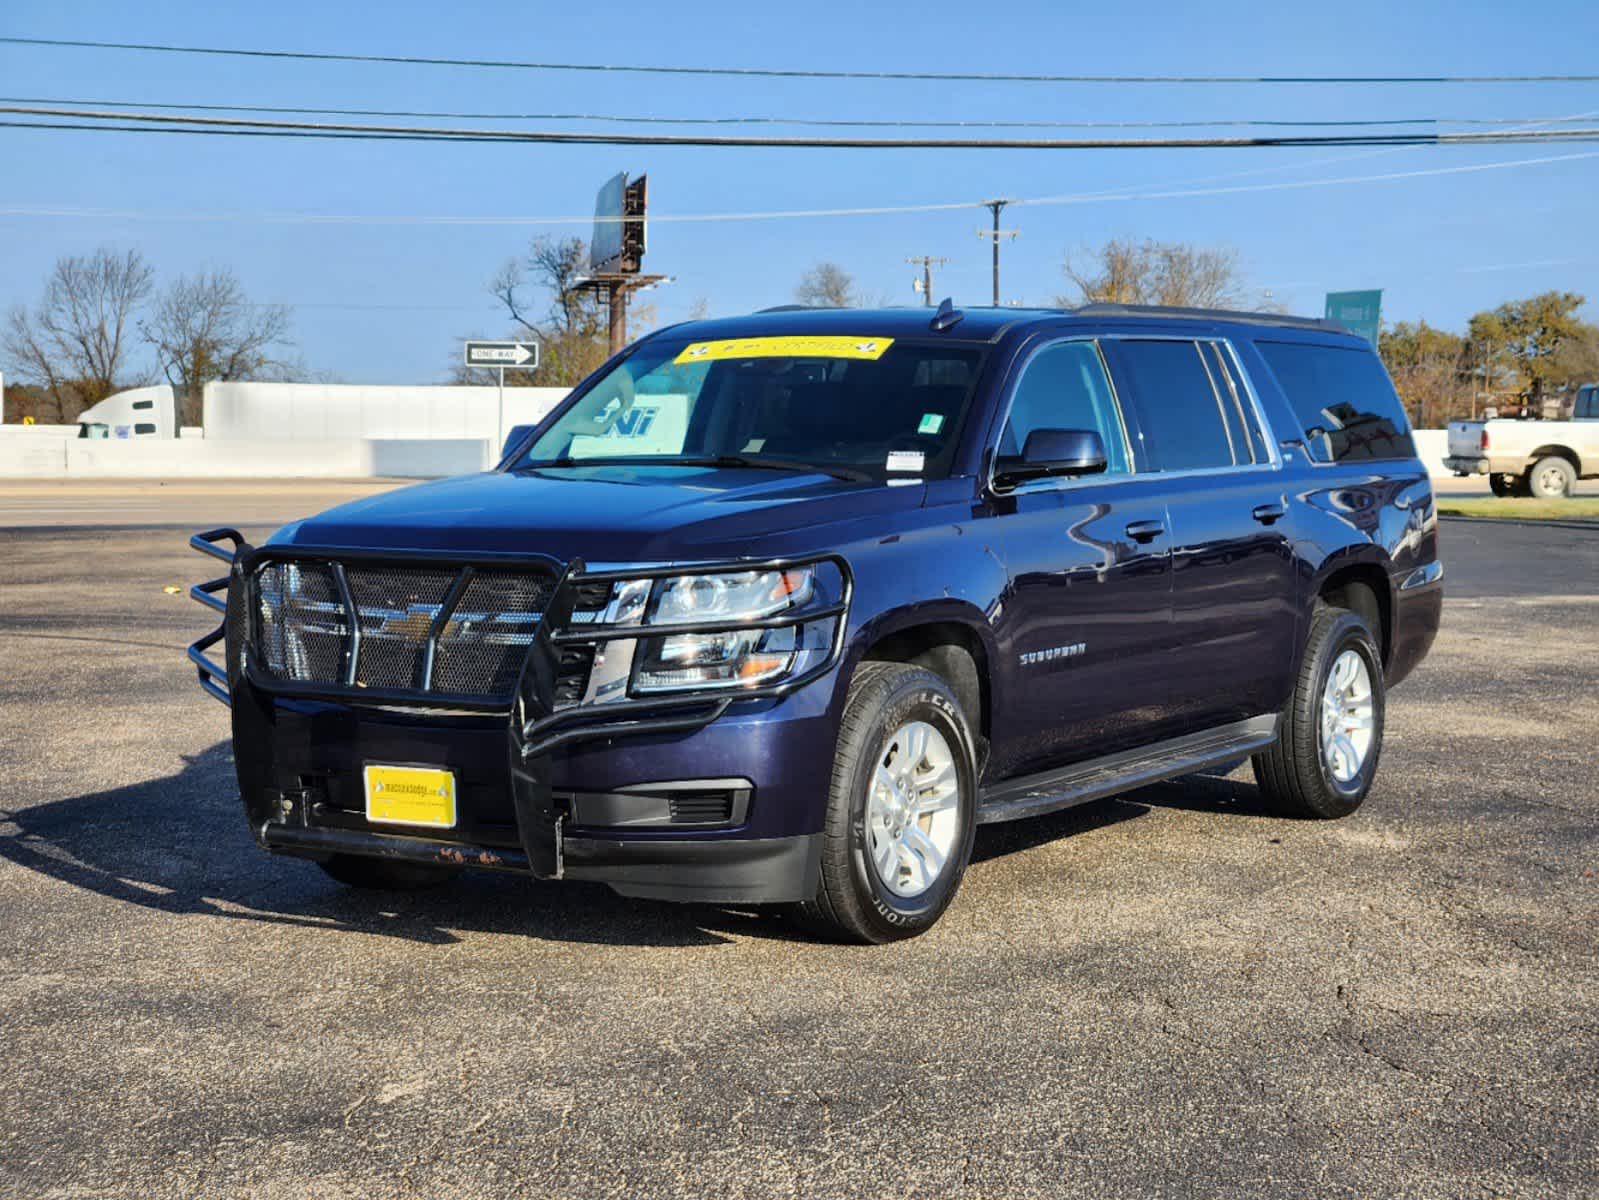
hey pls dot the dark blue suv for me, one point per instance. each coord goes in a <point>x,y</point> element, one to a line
<point>779,609</point>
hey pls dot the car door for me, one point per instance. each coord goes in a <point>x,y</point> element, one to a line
<point>1234,611</point>
<point>1087,614</point>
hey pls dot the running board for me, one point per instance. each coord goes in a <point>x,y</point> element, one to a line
<point>1032,795</point>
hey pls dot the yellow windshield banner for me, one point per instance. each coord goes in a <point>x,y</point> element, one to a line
<point>785,347</point>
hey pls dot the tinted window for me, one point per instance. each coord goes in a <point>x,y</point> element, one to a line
<point>144,427</point>
<point>1587,404</point>
<point>1181,415</point>
<point>142,404</point>
<point>1064,386</point>
<point>1345,403</point>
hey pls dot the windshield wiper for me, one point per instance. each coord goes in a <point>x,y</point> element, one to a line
<point>779,464</point>
<point>716,460</point>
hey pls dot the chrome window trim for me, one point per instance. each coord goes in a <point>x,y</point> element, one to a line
<point>1267,433</point>
<point>1067,482</point>
<point>1221,406</point>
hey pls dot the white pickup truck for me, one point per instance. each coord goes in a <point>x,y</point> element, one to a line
<point>1530,458</point>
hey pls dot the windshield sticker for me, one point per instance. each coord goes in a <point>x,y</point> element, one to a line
<point>785,347</point>
<point>905,460</point>
<point>931,423</point>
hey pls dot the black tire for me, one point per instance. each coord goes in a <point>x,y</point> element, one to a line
<point>1293,773</point>
<point>852,902</point>
<point>1551,478</point>
<point>1502,485</point>
<point>385,874</point>
<point>1521,485</point>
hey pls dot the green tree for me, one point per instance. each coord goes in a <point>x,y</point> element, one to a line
<point>1576,362</point>
<point>1525,335</point>
<point>1430,371</point>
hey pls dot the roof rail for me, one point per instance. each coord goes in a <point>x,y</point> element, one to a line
<point>1207,314</point>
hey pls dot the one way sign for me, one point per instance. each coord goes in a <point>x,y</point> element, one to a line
<point>524,355</point>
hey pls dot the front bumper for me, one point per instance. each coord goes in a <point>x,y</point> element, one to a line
<point>742,871</point>
<point>529,779</point>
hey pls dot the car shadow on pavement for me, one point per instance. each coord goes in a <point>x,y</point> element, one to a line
<point>180,844</point>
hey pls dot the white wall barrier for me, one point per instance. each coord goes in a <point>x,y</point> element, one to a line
<point>1431,446</point>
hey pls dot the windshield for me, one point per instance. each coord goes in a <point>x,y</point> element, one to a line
<point>859,407</point>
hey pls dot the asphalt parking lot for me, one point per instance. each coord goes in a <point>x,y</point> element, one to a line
<point>1168,994</point>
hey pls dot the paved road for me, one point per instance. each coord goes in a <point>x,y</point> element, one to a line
<point>1168,994</point>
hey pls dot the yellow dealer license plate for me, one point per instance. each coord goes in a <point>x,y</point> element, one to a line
<point>410,796</point>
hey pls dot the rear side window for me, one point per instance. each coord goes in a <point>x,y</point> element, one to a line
<point>1345,403</point>
<point>1182,418</point>
<point>142,404</point>
<point>1064,386</point>
<point>144,427</point>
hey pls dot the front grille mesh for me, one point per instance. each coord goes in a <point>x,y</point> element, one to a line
<point>303,626</point>
<point>489,632</point>
<point>397,607</point>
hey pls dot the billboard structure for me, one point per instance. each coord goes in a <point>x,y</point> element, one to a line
<point>616,248</point>
<point>618,243</point>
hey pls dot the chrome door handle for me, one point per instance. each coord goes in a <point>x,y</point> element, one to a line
<point>1145,531</point>
<point>1266,514</point>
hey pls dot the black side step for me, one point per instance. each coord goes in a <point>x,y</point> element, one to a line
<point>1032,795</point>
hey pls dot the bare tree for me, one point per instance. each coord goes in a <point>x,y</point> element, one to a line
<point>574,328</point>
<point>204,328</point>
<point>76,342</point>
<point>1123,271</point>
<point>826,285</point>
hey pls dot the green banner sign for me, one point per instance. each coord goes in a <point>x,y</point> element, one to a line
<point>1359,312</point>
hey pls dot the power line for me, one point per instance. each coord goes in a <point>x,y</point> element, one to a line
<point>80,119</point>
<point>817,122</point>
<point>786,73</point>
<point>584,219</point>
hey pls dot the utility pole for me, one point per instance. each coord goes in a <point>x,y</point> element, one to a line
<point>994,236</point>
<point>926,261</point>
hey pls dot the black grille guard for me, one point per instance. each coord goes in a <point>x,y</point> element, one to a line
<point>535,726</point>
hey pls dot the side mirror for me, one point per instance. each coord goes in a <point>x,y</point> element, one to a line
<point>1053,452</point>
<point>515,438</point>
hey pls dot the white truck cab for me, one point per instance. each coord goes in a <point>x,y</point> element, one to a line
<point>146,412</point>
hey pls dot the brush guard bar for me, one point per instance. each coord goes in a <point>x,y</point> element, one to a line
<point>535,726</point>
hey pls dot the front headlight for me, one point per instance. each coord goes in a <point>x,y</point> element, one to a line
<point>741,596</point>
<point>728,659</point>
<point>790,617</point>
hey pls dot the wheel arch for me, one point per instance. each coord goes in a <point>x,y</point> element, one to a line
<point>951,640</point>
<point>1556,450</point>
<point>1361,583</point>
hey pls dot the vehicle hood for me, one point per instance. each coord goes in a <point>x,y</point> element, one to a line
<point>609,514</point>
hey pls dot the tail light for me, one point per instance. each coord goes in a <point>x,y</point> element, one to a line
<point>1484,443</point>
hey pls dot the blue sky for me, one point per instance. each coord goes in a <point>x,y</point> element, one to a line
<point>383,297</point>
